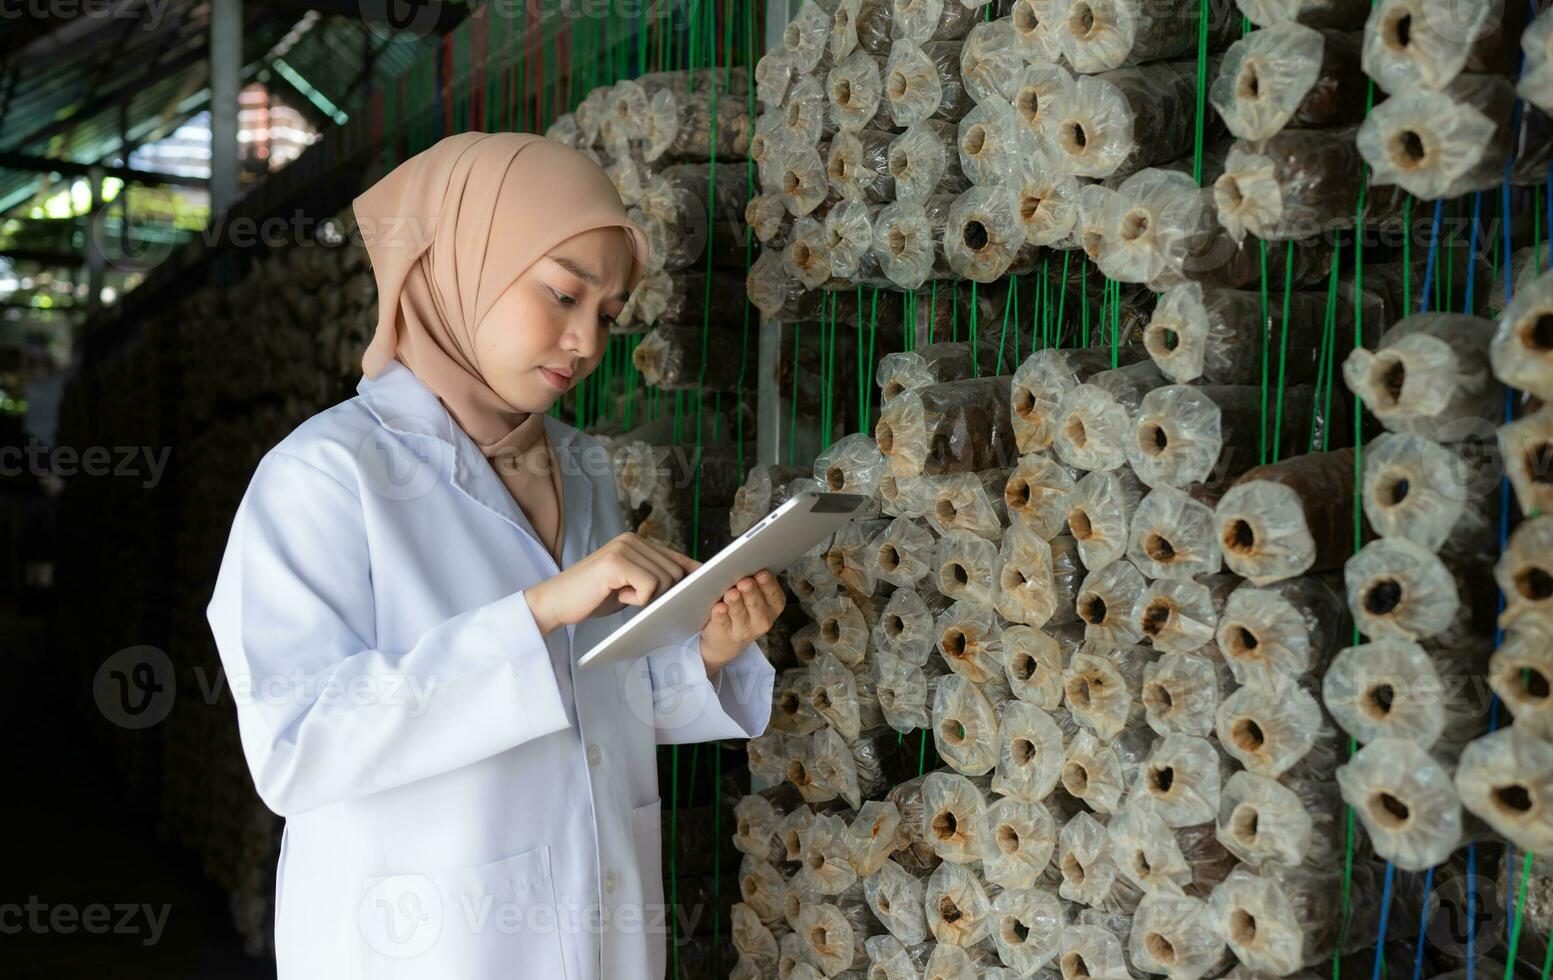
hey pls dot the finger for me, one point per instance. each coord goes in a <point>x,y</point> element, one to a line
<point>685,562</point>
<point>642,553</point>
<point>772,590</point>
<point>638,585</point>
<point>737,611</point>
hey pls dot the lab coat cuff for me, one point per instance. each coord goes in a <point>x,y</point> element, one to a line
<point>693,707</point>
<point>532,666</point>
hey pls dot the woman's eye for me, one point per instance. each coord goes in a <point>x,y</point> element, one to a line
<point>562,298</point>
<point>606,319</point>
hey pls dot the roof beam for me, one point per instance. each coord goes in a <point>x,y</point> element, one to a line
<point>70,168</point>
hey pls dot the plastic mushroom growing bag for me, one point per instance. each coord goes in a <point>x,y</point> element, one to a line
<point>1037,579</point>
<point>1099,773</point>
<point>826,869</point>
<point>1289,75</point>
<point>1506,779</point>
<point>1118,122</point>
<point>1213,335</point>
<point>1161,860</point>
<point>1393,688</point>
<point>905,690</point>
<point>931,20</point>
<point>1440,144</point>
<point>970,640</point>
<point>1289,628</point>
<point>953,427</point>
<point>1173,536</point>
<point>1521,673</point>
<point>1094,947</point>
<point>1406,800</point>
<point>1030,754</point>
<point>967,567</point>
<point>1105,603</point>
<point>849,234</point>
<point>1431,369</point>
<point>1290,822</point>
<point>1182,691</point>
<point>1182,615</point>
<point>1175,935</point>
<point>994,144</point>
<point>1271,730</point>
<point>929,364</point>
<point>1277,920</point>
<point>1094,425</point>
<point>1100,511</point>
<point>1423,491</point>
<point>855,92</point>
<point>971,502</point>
<point>1522,349</point>
<point>1027,926</point>
<point>895,896</point>
<point>965,724</point>
<point>1524,446</point>
<point>763,889</point>
<point>923,81</point>
<point>1035,660</point>
<point>1020,840</point>
<point>953,815</point>
<point>874,834</point>
<point>1043,380</point>
<point>1524,573</point>
<point>923,161</point>
<point>906,626</point>
<point>1397,589</point>
<point>1102,684</point>
<point>1296,184</point>
<point>1287,518</point>
<point>1097,35</point>
<point>901,554</point>
<point>1089,876</point>
<point>1413,44</point>
<point>1036,494</point>
<point>1180,781</point>
<point>983,235</point>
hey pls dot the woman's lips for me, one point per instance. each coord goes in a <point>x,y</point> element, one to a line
<point>559,382</point>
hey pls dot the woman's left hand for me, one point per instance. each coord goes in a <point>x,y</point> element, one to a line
<point>744,613</point>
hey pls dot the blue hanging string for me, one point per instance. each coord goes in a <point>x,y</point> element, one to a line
<point>1385,914</point>
<point>1423,925</point>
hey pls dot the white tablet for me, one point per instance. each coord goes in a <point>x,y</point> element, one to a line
<point>775,542</point>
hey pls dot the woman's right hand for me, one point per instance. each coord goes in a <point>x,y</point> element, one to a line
<point>626,570</point>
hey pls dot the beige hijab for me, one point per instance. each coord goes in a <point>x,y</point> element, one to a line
<point>447,231</point>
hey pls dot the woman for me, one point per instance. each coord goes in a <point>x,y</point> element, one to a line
<point>411,576</point>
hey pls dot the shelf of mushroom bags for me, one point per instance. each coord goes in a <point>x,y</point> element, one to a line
<point>1170,644</point>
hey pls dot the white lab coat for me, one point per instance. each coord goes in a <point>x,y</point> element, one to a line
<point>462,802</point>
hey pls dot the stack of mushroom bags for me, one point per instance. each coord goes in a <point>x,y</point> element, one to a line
<point>1130,638</point>
<point>658,136</point>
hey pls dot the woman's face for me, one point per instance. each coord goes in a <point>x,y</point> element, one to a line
<point>548,330</point>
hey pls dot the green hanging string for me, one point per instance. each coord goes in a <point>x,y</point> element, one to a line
<point>1283,352</point>
<point>975,351</point>
<point>1266,334</point>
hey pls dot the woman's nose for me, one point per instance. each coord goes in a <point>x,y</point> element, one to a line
<point>582,337</point>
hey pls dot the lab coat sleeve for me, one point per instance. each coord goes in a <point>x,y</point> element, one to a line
<point>323,715</point>
<point>691,707</point>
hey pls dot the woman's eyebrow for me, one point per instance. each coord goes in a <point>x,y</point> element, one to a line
<point>584,273</point>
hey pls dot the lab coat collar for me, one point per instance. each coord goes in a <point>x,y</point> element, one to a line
<point>403,404</point>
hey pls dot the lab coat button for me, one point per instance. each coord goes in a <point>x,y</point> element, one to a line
<point>610,881</point>
<point>594,755</point>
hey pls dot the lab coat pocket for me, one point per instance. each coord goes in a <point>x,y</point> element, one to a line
<point>482,921</point>
<point>647,829</point>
